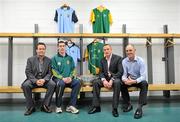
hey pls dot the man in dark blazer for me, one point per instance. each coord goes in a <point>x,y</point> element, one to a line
<point>38,73</point>
<point>110,77</point>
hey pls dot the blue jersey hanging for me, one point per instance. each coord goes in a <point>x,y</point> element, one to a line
<point>65,18</point>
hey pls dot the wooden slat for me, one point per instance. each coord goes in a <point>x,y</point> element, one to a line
<point>67,90</point>
<point>20,35</point>
<point>152,87</point>
<point>103,89</point>
<point>89,35</point>
<point>160,87</point>
<point>56,35</point>
<point>105,35</point>
<point>120,35</point>
<point>10,89</point>
<point>17,89</point>
<point>150,35</point>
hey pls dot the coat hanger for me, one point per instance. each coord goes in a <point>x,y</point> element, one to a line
<point>70,41</point>
<point>65,6</point>
<point>101,7</point>
<point>95,40</point>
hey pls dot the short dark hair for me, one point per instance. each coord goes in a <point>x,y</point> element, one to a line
<point>61,42</point>
<point>107,45</point>
<point>40,43</point>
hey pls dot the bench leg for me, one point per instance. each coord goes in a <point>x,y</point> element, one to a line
<point>82,95</point>
<point>166,94</point>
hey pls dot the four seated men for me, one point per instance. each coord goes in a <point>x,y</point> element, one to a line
<point>115,73</point>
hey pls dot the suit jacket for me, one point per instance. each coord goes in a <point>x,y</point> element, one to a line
<point>115,68</point>
<point>32,69</point>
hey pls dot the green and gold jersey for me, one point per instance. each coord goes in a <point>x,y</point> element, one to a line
<point>101,19</point>
<point>94,54</point>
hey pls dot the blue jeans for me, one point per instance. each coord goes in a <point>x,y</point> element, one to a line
<point>60,86</point>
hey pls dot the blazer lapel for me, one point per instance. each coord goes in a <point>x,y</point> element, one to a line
<point>44,65</point>
<point>105,65</point>
<point>36,64</point>
<point>111,62</point>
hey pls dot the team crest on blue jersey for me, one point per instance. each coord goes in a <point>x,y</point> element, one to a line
<point>68,62</point>
<point>68,15</point>
<point>59,63</point>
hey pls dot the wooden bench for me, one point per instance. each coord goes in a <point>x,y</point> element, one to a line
<point>17,89</point>
<point>152,87</point>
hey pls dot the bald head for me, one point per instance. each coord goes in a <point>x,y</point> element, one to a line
<point>130,46</point>
<point>130,51</point>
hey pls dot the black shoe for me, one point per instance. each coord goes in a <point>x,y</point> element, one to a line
<point>29,111</point>
<point>46,109</point>
<point>115,113</point>
<point>94,110</point>
<point>128,108</point>
<point>138,113</point>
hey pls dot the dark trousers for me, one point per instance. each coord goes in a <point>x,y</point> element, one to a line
<point>97,84</point>
<point>60,86</point>
<point>142,95</point>
<point>27,87</point>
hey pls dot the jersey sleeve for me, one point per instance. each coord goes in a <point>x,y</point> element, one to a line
<point>78,53</point>
<point>110,18</point>
<point>55,69</point>
<point>86,55</point>
<point>56,16</point>
<point>74,17</point>
<point>92,17</point>
<point>73,70</point>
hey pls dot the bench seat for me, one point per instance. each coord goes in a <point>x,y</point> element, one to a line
<point>152,87</point>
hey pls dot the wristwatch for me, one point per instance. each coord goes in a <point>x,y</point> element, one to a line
<point>112,79</point>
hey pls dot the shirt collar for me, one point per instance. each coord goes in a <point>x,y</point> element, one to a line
<point>61,55</point>
<point>65,7</point>
<point>101,8</point>
<point>39,58</point>
<point>109,57</point>
<point>135,59</point>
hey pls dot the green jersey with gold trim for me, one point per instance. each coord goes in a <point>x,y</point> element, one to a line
<point>94,54</point>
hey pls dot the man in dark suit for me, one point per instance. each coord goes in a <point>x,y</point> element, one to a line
<point>110,77</point>
<point>38,73</point>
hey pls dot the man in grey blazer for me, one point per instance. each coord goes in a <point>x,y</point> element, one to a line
<point>110,77</point>
<point>38,73</point>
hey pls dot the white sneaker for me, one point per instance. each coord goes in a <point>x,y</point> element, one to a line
<point>58,110</point>
<point>72,109</point>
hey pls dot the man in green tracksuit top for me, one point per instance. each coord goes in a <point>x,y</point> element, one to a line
<point>63,70</point>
